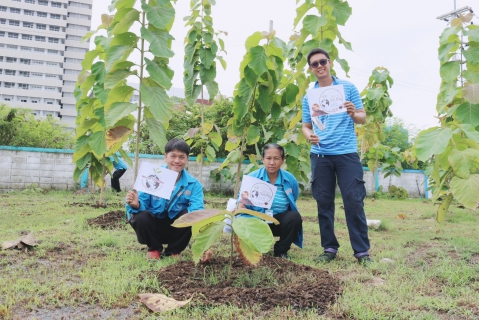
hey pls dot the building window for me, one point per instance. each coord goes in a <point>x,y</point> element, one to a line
<point>38,38</point>
<point>35,87</point>
<point>12,47</point>
<point>28,24</point>
<point>7,99</point>
<point>52,64</point>
<point>24,74</point>
<point>14,23</point>
<point>2,33</point>
<point>13,35</point>
<point>74,38</point>
<point>50,51</point>
<point>9,72</point>
<point>25,61</point>
<point>28,12</point>
<point>4,9</point>
<point>25,48</point>
<point>30,1</point>
<point>9,85</point>
<point>56,4</point>
<point>23,100</point>
<point>50,89</point>
<point>41,14</point>
<point>42,3</point>
<point>54,28</point>
<point>53,40</point>
<point>14,10</point>
<point>11,60</point>
<point>27,37</point>
<point>69,83</point>
<point>78,16</point>
<point>23,86</point>
<point>41,26</point>
<point>35,101</point>
<point>37,62</point>
<point>36,75</point>
<point>55,16</point>
<point>3,21</point>
<point>51,76</point>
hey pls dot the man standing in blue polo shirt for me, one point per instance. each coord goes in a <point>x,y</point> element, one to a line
<point>334,159</point>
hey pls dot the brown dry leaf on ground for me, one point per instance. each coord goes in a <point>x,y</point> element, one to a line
<point>23,242</point>
<point>401,216</point>
<point>160,303</point>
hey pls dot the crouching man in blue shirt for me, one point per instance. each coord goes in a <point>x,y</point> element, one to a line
<point>152,217</point>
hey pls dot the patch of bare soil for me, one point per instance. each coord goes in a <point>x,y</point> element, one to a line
<point>109,220</point>
<point>96,205</point>
<point>275,282</point>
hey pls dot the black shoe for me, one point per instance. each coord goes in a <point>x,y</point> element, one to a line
<point>283,255</point>
<point>326,257</point>
<point>365,260</point>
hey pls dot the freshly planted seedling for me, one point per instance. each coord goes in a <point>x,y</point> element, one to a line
<point>251,237</point>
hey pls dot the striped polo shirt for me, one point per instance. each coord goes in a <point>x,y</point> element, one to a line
<point>339,136</point>
<point>280,202</point>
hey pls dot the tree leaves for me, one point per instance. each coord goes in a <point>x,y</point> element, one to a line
<point>464,162</point>
<point>160,16</point>
<point>471,92</point>
<point>258,60</point>
<point>468,113</point>
<point>313,23</point>
<point>160,73</point>
<point>466,191</point>
<point>254,232</point>
<point>205,239</point>
<point>432,141</point>
<point>159,42</point>
<point>450,70</point>
<point>156,98</point>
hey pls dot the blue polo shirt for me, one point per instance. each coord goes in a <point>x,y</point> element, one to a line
<point>339,136</point>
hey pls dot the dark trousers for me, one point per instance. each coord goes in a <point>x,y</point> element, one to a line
<point>155,232</point>
<point>290,223</point>
<point>115,180</point>
<point>347,170</point>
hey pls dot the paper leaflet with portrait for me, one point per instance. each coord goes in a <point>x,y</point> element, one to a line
<point>156,180</point>
<point>256,192</point>
<point>325,101</point>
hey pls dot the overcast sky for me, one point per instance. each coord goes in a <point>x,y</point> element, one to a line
<point>402,36</point>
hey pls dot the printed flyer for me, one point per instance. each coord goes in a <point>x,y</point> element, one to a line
<point>156,180</point>
<point>256,192</point>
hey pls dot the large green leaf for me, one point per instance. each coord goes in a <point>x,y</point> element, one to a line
<point>450,70</point>
<point>118,110</point>
<point>117,53</point>
<point>432,141</point>
<point>301,11</point>
<point>160,16</point>
<point>212,88</point>
<point>470,92</point>
<point>205,239</point>
<point>253,40</point>
<point>115,77</point>
<point>468,113</point>
<point>207,57</point>
<point>248,252</point>
<point>293,149</point>
<point>443,207</point>
<point>445,51</point>
<point>89,57</point>
<point>242,100</point>
<point>449,35</point>
<point>290,93</point>
<point>159,42</point>
<point>258,60</point>
<point>98,70</point>
<point>464,162</point>
<point>254,232</point>
<point>466,191</point>
<point>254,133</point>
<point>160,72</point>
<point>120,4</point>
<point>98,143</point>
<point>119,94</point>
<point>100,93</point>
<point>125,17</point>
<point>256,214</point>
<point>313,23</point>
<point>207,75</point>
<point>216,138</point>
<point>87,85</point>
<point>472,55</point>
<point>265,99</point>
<point>470,132</point>
<point>157,100</point>
<point>157,131</point>
<point>197,216</point>
<point>473,34</point>
<point>341,11</point>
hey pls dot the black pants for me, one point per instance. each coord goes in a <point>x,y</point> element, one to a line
<point>155,232</point>
<point>115,180</point>
<point>290,223</point>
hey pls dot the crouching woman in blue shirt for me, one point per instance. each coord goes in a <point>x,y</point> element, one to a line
<point>290,228</point>
<point>152,217</point>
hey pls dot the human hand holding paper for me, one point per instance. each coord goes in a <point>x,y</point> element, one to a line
<point>132,199</point>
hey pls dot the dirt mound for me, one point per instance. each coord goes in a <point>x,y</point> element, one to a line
<point>275,282</point>
<point>109,220</point>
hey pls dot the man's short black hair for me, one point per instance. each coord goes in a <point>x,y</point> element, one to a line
<point>177,144</point>
<point>273,146</point>
<point>316,51</point>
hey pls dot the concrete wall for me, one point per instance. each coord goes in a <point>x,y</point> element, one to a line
<point>53,169</point>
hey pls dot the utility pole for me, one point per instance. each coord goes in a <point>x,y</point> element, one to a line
<point>448,17</point>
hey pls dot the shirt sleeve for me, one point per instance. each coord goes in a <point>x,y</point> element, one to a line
<point>306,113</point>
<point>197,198</point>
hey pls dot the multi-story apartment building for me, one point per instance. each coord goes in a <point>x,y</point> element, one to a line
<point>41,54</point>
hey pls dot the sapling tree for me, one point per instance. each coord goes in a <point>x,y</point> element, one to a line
<point>452,147</point>
<point>201,55</point>
<point>251,236</point>
<point>104,120</point>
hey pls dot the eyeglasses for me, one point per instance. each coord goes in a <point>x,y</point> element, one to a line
<point>322,62</point>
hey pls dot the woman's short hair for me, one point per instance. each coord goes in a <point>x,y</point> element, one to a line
<point>273,146</point>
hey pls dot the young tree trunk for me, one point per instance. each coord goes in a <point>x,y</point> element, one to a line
<point>238,171</point>
<point>138,121</point>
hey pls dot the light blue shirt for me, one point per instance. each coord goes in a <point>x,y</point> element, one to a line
<point>339,137</point>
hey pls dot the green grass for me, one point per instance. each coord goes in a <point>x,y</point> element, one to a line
<point>433,275</point>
